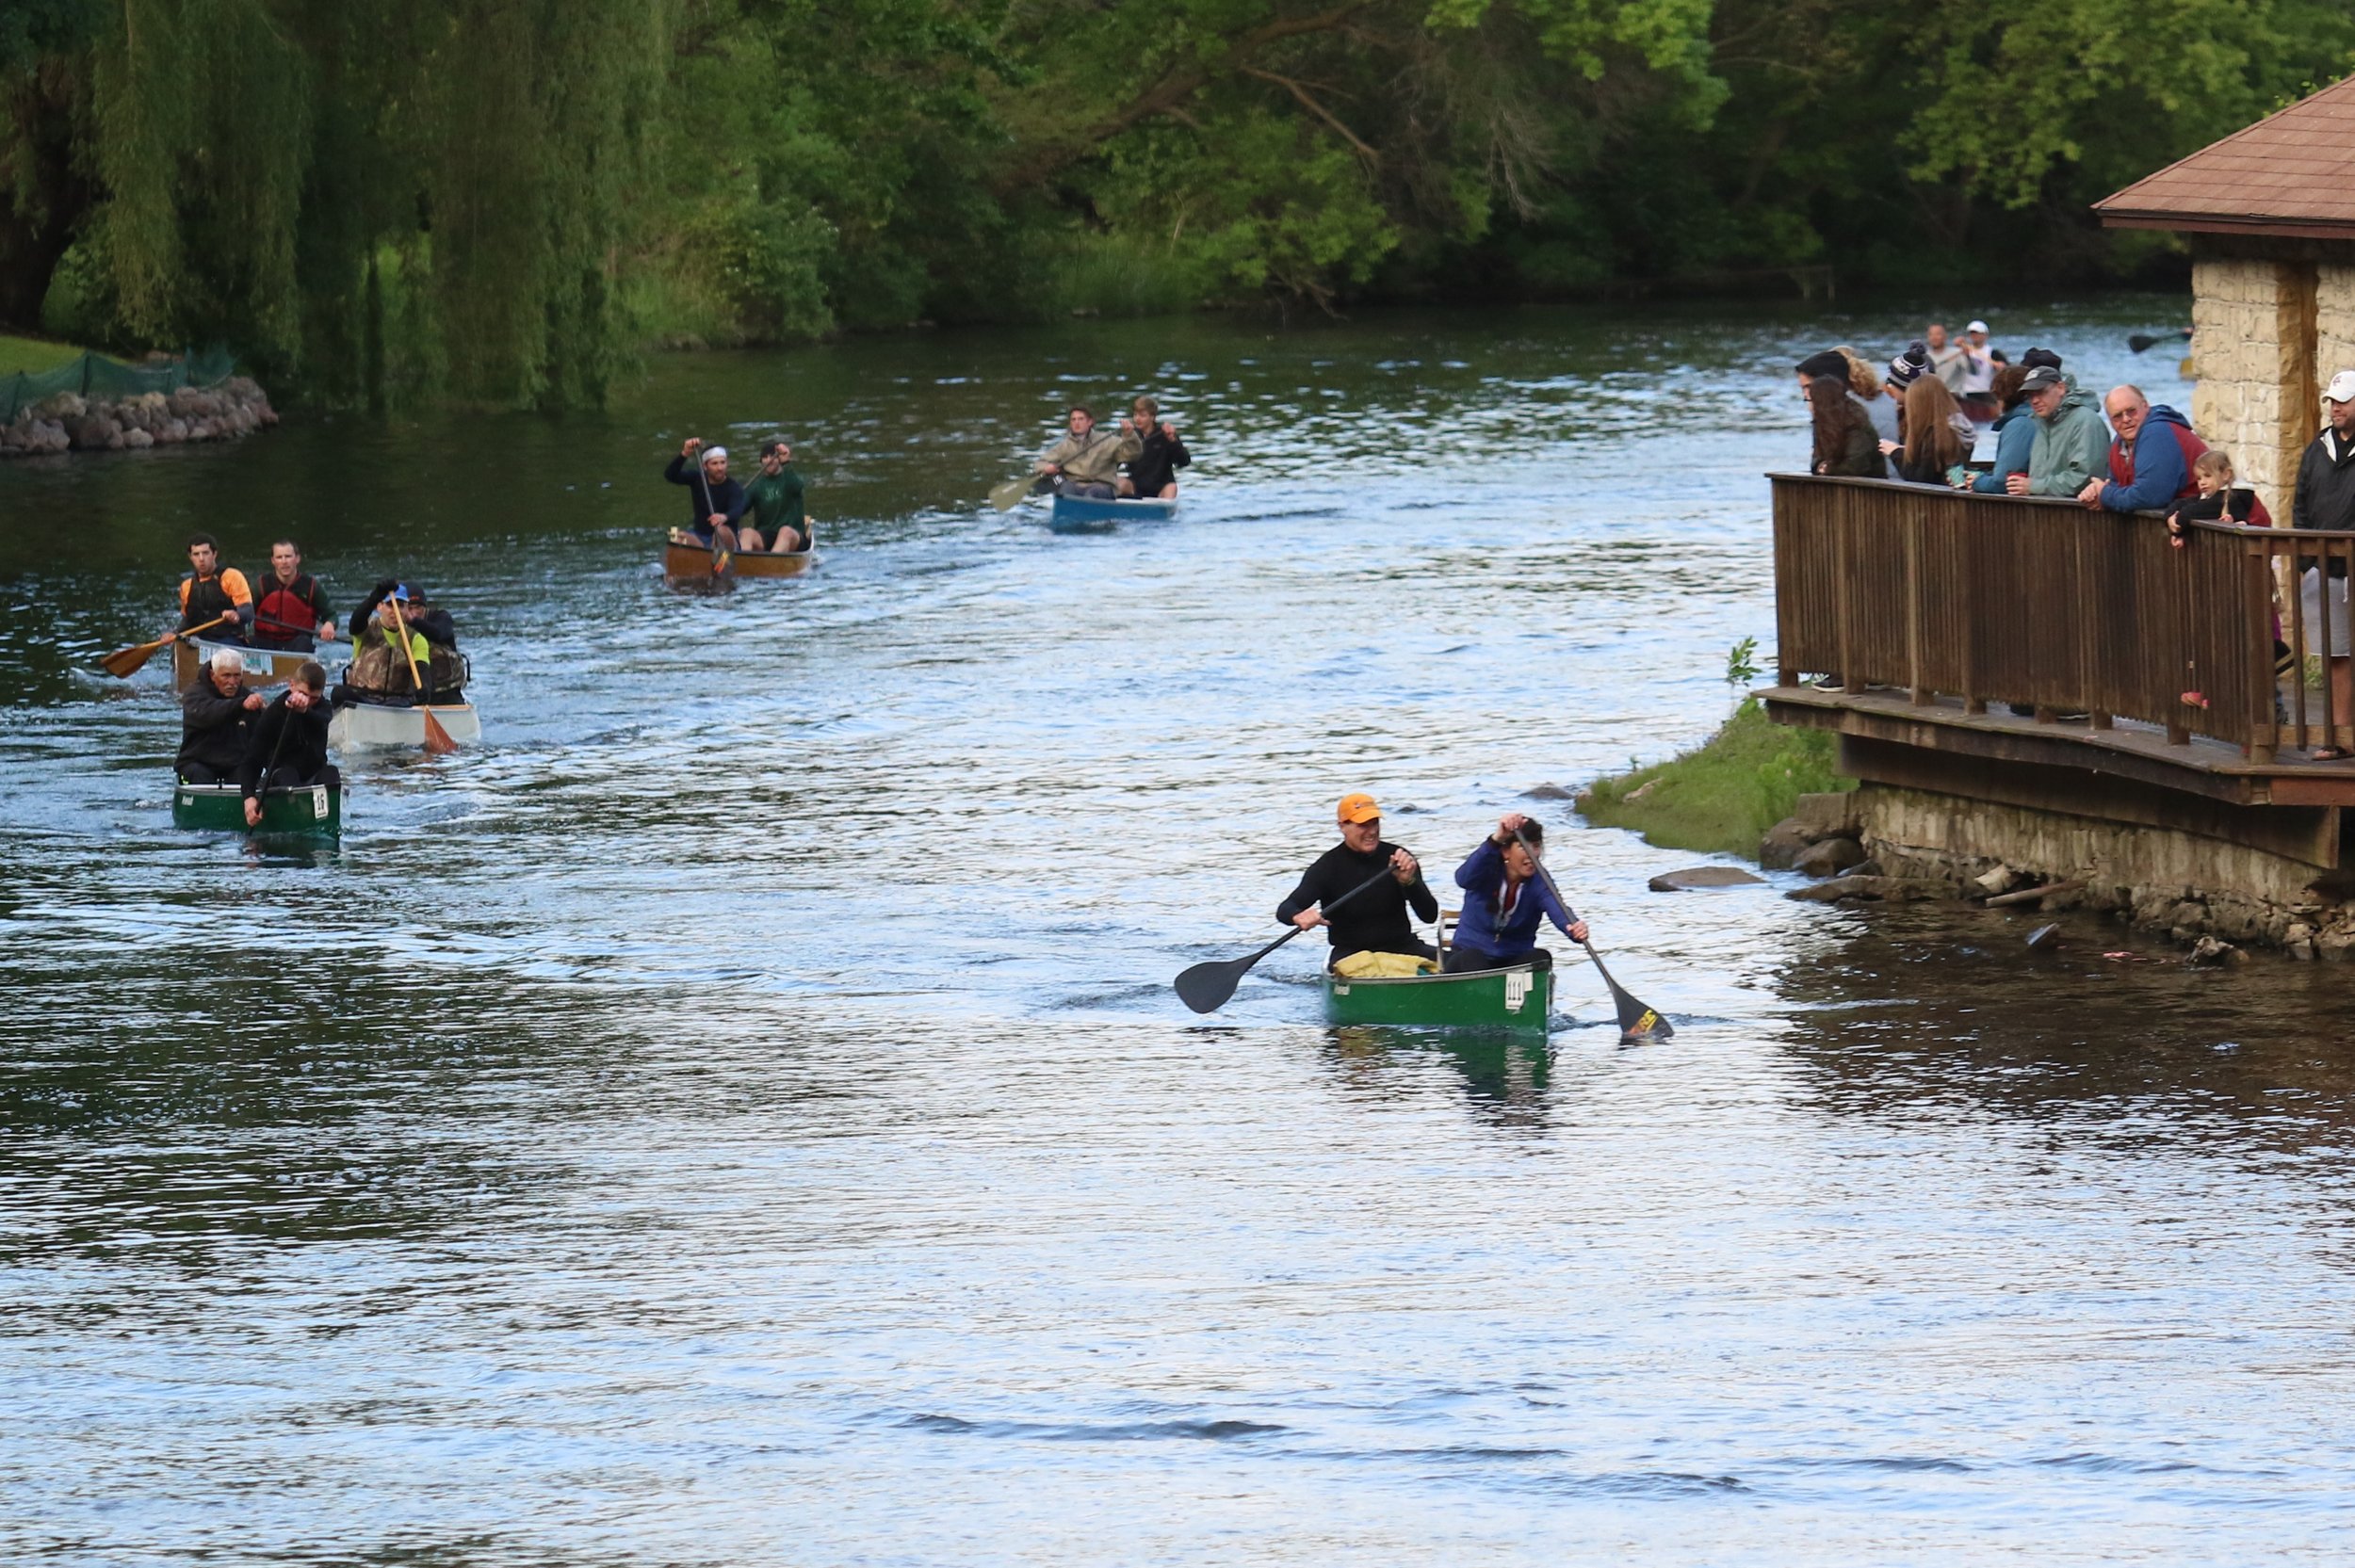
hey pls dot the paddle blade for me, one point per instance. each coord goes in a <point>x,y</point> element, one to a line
<point>125,661</point>
<point>1005,497</point>
<point>2139,341</point>
<point>1206,986</point>
<point>1637,1021</point>
<point>438,740</point>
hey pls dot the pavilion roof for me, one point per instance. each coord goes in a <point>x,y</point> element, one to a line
<point>2292,174</point>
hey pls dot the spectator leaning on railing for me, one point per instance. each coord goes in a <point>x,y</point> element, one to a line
<point>2150,458</point>
<point>2070,437</point>
<point>1844,436</point>
<point>2015,431</point>
<point>2325,499</point>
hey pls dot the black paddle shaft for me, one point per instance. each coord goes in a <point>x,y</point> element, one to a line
<point>1637,1021</point>
<point>1206,987</point>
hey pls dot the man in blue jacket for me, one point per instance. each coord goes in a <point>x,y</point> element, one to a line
<point>2150,458</point>
<point>1504,898</point>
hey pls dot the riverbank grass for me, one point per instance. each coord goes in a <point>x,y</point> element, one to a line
<point>1721,797</point>
<point>33,354</point>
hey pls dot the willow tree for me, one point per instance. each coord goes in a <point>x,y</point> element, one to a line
<point>272,171</point>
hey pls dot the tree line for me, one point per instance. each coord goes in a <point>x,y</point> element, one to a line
<point>499,202</point>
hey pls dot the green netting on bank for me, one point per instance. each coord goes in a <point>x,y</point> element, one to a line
<point>109,380</point>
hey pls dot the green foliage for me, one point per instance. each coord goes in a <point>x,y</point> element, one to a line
<point>1742,662</point>
<point>1722,797</point>
<point>497,201</point>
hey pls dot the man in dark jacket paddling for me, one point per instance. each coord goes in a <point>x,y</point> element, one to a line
<point>216,720</point>
<point>714,501</point>
<point>1375,920</point>
<point>288,747</point>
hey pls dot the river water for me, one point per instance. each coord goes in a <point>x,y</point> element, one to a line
<point>736,1114</point>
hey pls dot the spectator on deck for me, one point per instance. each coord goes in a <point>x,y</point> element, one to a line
<point>1980,363</point>
<point>2212,472</point>
<point>1865,382</point>
<point>2015,431</point>
<point>2325,498</point>
<point>2150,460</point>
<point>1933,446</point>
<point>2070,437</point>
<point>1949,361</point>
<point>1844,443</point>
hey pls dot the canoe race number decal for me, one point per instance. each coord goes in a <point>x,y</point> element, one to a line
<point>319,802</point>
<point>1515,989</point>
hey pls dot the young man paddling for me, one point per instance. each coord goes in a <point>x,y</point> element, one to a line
<point>292,612</point>
<point>1375,920</point>
<point>779,517</point>
<point>211,591</point>
<point>287,749</point>
<point>1504,898</point>
<point>1086,462</point>
<point>714,501</point>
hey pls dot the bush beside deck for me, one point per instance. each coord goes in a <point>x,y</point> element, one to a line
<point>1721,797</point>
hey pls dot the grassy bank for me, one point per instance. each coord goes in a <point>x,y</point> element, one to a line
<point>1723,796</point>
<point>33,354</point>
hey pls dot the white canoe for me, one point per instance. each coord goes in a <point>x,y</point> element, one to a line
<point>367,725</point>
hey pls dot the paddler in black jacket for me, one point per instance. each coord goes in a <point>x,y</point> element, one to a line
<point>287,749</point>
<point>1375,920</point>
<point>216,720</point>
<point>1153,472</point>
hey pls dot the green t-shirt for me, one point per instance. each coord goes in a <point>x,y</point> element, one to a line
<point>774,499</point>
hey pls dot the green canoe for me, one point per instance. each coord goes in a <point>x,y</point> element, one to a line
<point>1519,998</point>
<point>315,811</point>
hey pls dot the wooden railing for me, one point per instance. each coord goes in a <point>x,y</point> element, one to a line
<point>2043,603</point>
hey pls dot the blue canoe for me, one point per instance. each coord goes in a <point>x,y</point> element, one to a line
<point>1074,514</point>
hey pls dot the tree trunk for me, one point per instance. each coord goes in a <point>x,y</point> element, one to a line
<point>40,211</point>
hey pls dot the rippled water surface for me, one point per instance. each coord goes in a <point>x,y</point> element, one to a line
<point>738,1114</point>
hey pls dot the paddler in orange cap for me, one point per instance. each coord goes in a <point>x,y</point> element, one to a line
<point>1360,918</point>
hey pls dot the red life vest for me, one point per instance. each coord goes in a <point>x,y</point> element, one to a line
<point>287,611</point>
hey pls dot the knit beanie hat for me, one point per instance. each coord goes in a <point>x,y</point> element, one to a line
<point>1907,366</point>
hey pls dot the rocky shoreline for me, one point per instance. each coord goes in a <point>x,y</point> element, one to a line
<point>68,422</point>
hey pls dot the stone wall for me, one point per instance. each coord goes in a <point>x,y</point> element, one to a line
<point>2334,323</point>
<point>2178,882</point>
<point>2248,335</point>
<point>68,422</point>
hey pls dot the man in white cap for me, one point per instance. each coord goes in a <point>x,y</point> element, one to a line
<point>714,501</point>
<point>2325,498</point>
<point>1978,371</point>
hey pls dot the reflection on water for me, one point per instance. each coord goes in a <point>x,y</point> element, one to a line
<point>736,1114</point>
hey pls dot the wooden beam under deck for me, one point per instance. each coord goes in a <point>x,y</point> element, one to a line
<point>2204,768</point>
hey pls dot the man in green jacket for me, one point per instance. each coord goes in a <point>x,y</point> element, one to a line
<point>776,515</point>
<point>2072,444</point>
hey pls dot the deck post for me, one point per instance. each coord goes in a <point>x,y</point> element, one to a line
<point>1916,692</point>
<point>2266,735</point>
<point>1843,563</point>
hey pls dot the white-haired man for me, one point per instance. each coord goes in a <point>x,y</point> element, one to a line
<point>216,722</point>
<point>714,501</point>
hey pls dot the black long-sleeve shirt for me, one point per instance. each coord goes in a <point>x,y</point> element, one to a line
<point>304,747</point>
<point>727,498</point>
<point>1375,920</point>
<point>1157,462</point>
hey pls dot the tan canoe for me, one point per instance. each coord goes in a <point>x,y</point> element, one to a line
<point>686,555</point>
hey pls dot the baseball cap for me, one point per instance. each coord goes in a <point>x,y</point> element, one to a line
<point>400,591</point>
<point>1976,327</point>
<point>2342,387</point>
<point>1358,808</point>
<point>2041,378</point>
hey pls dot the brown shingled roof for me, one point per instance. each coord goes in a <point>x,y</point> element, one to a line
<point>2291,173</point>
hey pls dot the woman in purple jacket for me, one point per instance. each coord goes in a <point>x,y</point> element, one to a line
<point>1504,898</point>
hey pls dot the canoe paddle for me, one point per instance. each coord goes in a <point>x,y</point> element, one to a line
<point>125,661</point>
<point>718,550</point>
<point>1005,497</point>
<point>2139,341</point>
<point>1637,1021</point>
<point>438,740</point>
<point>1206,986</point>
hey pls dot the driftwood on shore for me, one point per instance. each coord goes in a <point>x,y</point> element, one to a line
<point>68,422</point>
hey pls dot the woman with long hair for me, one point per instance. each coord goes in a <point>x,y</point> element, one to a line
<point>2015,430</point>
<point>1933,446</point>
<point>1844,442</point>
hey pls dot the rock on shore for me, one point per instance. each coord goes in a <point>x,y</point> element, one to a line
<point>68,422</point>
